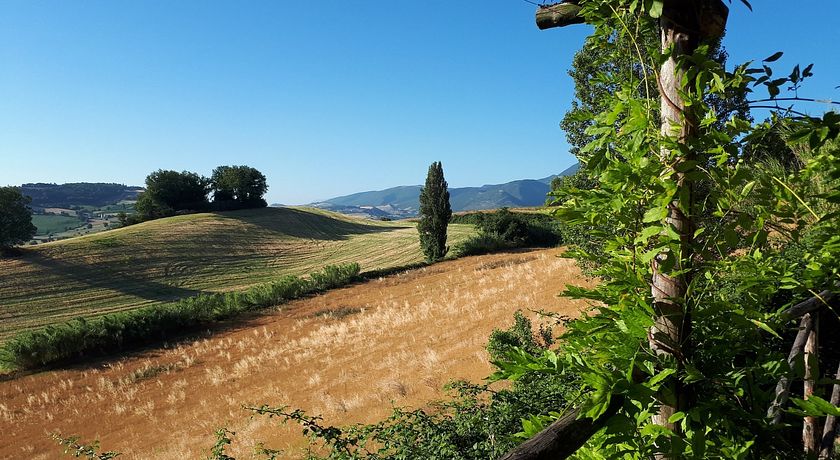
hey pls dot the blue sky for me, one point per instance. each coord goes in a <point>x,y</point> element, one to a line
<point>326,98</point>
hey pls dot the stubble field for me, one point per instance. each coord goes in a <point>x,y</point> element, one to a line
<point>348,354</point>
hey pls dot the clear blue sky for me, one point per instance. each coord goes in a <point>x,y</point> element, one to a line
<point>327,97</point>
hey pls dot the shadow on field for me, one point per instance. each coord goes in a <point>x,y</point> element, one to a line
<point>302,224</point>
<point>100,276</point>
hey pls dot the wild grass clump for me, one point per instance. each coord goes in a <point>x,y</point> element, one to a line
<point>116,331</point>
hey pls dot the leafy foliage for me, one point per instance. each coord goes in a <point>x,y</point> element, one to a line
<point>15,218</point>
<point>503,229</point>
<point>435,213</point>
<point>238,187</point>
<point>744,215</point>
<point>108,333</point>
<point>168,192</point>
<point>73,447</point>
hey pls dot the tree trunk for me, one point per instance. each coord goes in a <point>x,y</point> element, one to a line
<point>810,429</point>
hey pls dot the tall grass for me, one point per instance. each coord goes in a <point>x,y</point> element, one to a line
<point>108,333</point>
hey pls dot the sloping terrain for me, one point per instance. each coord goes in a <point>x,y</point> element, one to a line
<point>349,354</point>
<point>170,258</point>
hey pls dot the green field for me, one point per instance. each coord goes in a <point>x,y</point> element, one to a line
<point>54,223</point>
<point>170,258</point>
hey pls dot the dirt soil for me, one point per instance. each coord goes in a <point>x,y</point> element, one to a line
<point>350,354</point>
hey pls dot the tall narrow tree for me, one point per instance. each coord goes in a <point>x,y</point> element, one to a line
<point>435,212</point>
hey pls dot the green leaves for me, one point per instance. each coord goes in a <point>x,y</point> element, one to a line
<point>655,214</point>
<point>655,9</point>
<point>814,406</point>
<point>773,57</point>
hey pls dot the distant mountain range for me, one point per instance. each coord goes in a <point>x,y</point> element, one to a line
<point>404,201</point>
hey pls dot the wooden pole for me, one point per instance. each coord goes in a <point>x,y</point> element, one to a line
<point>563,437</point>
<point>829,432</point>
<point>810,430</point>
<point>783,387</point>
<point>679,36</point>
<point>683,25</point>
<point>558,15</point>
<point>812,304</point>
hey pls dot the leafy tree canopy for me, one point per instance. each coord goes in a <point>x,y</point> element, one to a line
<point>168,192</point>
<point>15,218</point>
<point>236,187</point>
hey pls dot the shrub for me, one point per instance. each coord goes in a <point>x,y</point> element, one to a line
<point>504,229</point>
<point>482,243</point>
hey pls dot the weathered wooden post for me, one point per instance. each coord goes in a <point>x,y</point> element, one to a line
<point>683,25</point>
<point>811,435</point>
<point>830,427</point>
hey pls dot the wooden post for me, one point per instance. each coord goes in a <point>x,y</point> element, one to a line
<point>810,430</point>
<point>679,35</point>
<point>563,437</point>
<point>783,387</point>
<point>829,432</point>
<point>683,25</point>
<point>558,15</point>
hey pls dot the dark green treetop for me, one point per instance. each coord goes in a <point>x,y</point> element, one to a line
<point>435,213</point>
<point>170,191</point>
<point>237,187</point>
<point>15,218</point>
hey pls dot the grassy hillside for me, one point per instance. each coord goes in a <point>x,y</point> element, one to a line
<point>184,255</point>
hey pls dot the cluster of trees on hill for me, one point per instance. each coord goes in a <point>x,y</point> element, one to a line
<point>171,192</point>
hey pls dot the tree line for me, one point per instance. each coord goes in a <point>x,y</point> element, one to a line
<point>171,192</point>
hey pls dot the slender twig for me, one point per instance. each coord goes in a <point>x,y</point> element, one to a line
<point>775,107</point>
<point>802,99</point>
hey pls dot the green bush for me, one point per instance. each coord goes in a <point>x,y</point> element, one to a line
<point>520,335</point>
<point>105,334</point>
<point>514,229</point>
<point>482,243</point>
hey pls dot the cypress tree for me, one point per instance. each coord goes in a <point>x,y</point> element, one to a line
<point>435,212</point>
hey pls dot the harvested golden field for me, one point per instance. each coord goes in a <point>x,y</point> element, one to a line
<point>170,258</point>
<point>394,340</point>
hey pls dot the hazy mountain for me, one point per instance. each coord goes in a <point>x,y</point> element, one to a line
<point>403,201</point>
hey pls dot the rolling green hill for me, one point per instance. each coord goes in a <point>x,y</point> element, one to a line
<point>166,259</point>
